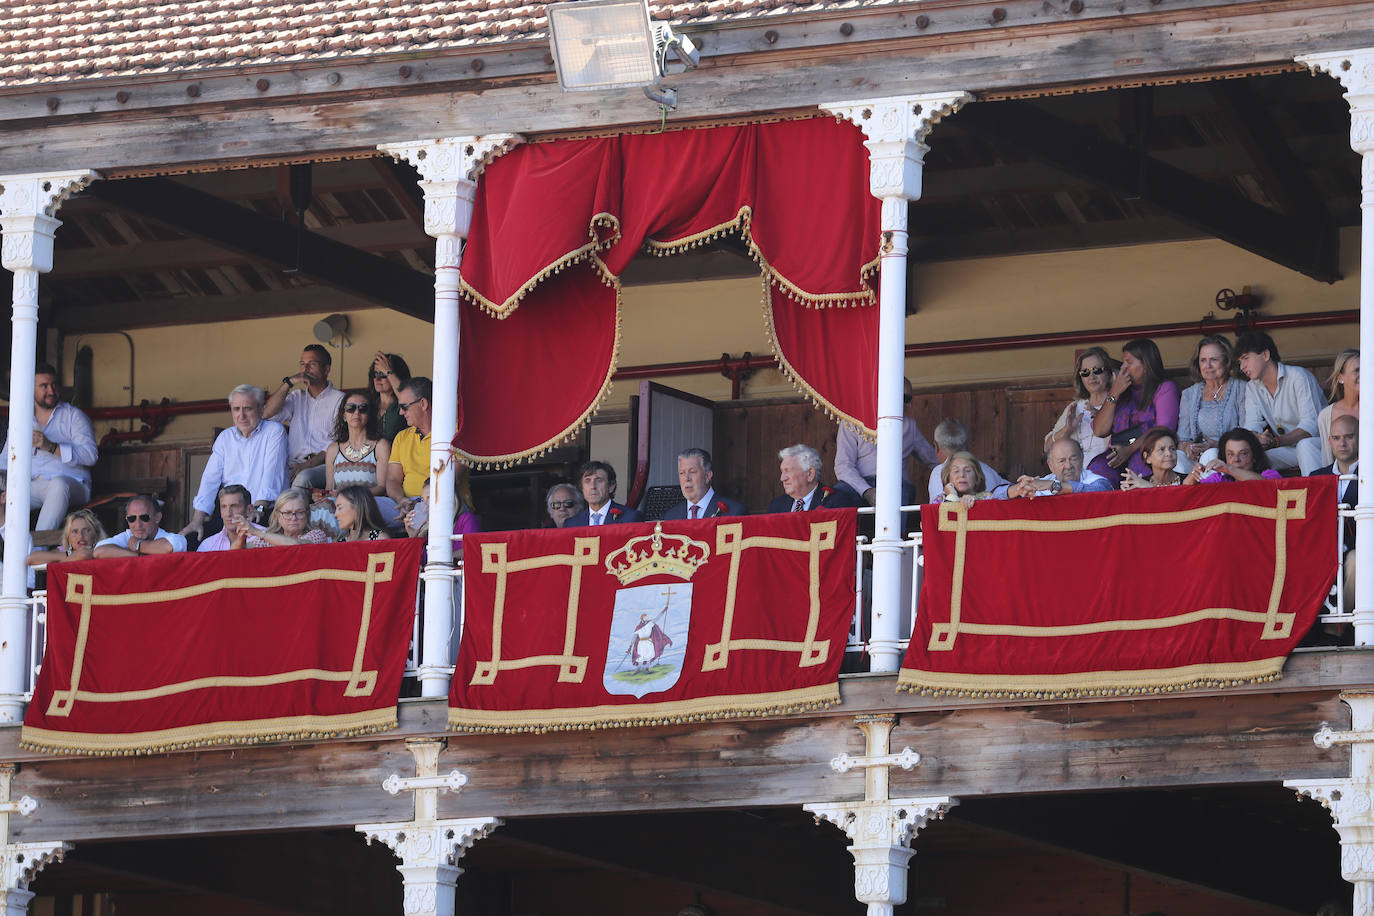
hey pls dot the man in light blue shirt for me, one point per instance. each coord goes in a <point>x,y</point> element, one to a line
<point>1281,401</point>
<point>144,536</point>
<point>63,452</point>
<point>1067,475</point>
<point>251,453</point>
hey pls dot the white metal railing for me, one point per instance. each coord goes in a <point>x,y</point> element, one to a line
<point>1335,609</point>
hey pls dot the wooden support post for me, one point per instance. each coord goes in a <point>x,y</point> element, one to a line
<point>880,829</point>
<point>28,204</point>
<point>896,129</point>
<point>448,176</point>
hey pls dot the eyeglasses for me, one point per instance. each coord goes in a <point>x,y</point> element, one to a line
<point>294,513</point>
<point>1096,370</point>
<point>376,374</point>
<point>130,519</point>
<point>405,407</point>
<point>564,504</point>
<point>357,408</point>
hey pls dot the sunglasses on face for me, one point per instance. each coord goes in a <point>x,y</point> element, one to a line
<point>357,408</point>
<point>405,407</point>
<point>565,504</point>
<point>376,374</point>
<point>1096,370</point>
<point>130,519</point>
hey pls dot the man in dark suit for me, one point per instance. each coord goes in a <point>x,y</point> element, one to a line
<point>1345,446</point>
<point>598,486</point>
<point>699,497</point>
<point>800,472</point>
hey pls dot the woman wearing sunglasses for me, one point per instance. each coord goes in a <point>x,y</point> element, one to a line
<point>354,456</point>
<point>1092,379</point>
<point>389,373</point>
<point>1213,404</point>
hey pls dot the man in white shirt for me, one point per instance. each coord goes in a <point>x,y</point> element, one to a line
<point>63,452</point>
<point>1281,401</point>
<point>951,436</point>
<point>310,414</point>
<point>234,502</point>
<point>144,537</point>
<point>251,453</point>
<point>1067,475</point>
<point>856,459</point>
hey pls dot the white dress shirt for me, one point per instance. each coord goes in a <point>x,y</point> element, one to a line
<point>704,505</point>
<point>856,458</point>
<point>311,420</point>
<point>71,430</point>
<point>1295,403</point>
<point>257,461</point>
<point>122,540</point>
<point>598,516</point>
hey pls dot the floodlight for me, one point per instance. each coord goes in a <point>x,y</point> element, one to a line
<point>613,44</point>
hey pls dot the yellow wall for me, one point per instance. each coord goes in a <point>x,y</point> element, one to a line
<point>1102,288</point>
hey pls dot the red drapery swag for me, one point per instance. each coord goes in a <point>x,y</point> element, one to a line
<point>1106,593</point>
<point>645,624</point>
<point>188,650</point>
<point>555,223</point>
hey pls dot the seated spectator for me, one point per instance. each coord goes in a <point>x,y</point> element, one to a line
<point>359,454</point>
<point>1243,459</point>
<point>1094,371</point>
<point>951,437</point>
<point>251,453</point>
<point>598,490</point>
<point>465,522</point>
<point>358,516</point>
<point>309,413</point>
<point>1344,442</point>
<point>234,503</point>
<point>1213,404</point>
<point>1344,397</point>
<point>856,458</point>
<point>699,497</point>
<point>1067,475</point>
<point>1159,448</point>
<point>64,450</point>
<point>1281,401</point>
<point>1141,397</point>
<point>409,465</point>
<point>800,471</point>
<point>289,525</point>
<point>389,373</point>
<point>143,537</point>
<point>80,533</point>
<point>563,501</point>
<point>963,480</point>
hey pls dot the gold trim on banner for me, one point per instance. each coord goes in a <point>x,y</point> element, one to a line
<point>359,683</point>
<point>247,731</point>
<point>571,668</point>
<point>1290,503</point>
<point>730,543</point>
<point>1088,683</point>
<point>780,703</point>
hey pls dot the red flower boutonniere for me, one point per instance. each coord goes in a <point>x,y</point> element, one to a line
<point>616,512</point>
<point>721,509</point>
<point>826,493</point>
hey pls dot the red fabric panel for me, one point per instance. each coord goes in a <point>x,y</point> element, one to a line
<point>834,351</point>
<point>528,379</point>
<point>189,626</point>
<point>1197,565</point>
<point>549,642</point>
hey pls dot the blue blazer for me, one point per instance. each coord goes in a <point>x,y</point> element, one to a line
<point>837,499</point>
<point>732,507</point>
<point>583,518</point>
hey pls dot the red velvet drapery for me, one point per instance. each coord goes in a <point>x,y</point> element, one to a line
<point>555,224</point>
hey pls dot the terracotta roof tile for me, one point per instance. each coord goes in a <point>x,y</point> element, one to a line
<point>63,40</point>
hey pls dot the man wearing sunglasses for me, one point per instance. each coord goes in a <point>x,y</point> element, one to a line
<point>856,459</point>
<point>408,468</point>
<point>563,502</point>
<point>144,537</point>
<point>309,415</point>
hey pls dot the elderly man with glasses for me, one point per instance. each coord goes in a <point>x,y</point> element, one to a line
<point>251,453</point>
<point>144,537</point>
<point>563,502</point>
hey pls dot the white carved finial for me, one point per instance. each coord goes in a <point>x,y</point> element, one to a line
<point>28,215</point>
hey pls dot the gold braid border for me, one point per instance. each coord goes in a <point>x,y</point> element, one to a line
<point>1089,683</point>
<point>678,712</point>
<point>211,734</point>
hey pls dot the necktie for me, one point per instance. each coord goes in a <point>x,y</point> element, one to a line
<point>596,519</point>
<point>798,506</point>
<point>692,511</point>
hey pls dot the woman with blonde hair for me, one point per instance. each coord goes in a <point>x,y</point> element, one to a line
<point>1093,372</point>
<point>1343,397</point>
<point>964,480</point>
<point>80,533</point>
<point>289,525</point>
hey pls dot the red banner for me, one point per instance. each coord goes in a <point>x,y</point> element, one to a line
<point>187,650</point>
<point>1112,593</point>
<point>644,624</point>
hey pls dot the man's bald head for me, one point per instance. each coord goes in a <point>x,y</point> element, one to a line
<point>1345,438</point>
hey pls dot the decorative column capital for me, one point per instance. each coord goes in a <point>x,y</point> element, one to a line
<point>1349,800</point>
<point>448,168</point>
<point>896,128</point>
<point>1355,71</point>
<point>20,862</point>
<point>28,215</point>
<point>894,822</point>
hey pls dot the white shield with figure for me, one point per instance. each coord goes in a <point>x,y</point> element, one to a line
<point>648,640</point>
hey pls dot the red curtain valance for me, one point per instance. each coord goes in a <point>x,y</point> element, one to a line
<point>556,223</point>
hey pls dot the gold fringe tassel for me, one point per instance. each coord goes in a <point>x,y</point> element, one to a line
<point>924,684</point>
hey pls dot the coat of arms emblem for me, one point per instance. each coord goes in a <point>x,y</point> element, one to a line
<point>647,644</point>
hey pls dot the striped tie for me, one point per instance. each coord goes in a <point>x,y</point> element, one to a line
<point>798,506</point>
<point>692,511</point>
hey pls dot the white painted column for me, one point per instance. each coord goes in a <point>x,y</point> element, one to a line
<point>27,221</point>
<point>1355,70</point>
<point>448,170</point>
<point>1351,801</point>
<point>896,129</point>
<point>428,846</point>
<point>880,829</point>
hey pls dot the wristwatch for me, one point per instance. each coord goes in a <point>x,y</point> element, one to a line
<point>286,380</point>
<point>1055,487</point>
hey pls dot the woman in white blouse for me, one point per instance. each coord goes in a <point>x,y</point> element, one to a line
<point>1092,380</point>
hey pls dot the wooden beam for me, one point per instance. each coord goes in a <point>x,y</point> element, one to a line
<point>155,313</point>
<point>1303,245</point>
<point>330,263</point>
<point>1001,242</point>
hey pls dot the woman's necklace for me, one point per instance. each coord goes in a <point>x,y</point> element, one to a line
<point>1215,396</point>
<point>356,453</point>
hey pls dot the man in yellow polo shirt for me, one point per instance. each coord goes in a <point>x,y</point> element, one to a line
<point>409,467</point>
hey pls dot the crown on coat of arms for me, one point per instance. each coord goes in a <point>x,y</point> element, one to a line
<point>658,554</point>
